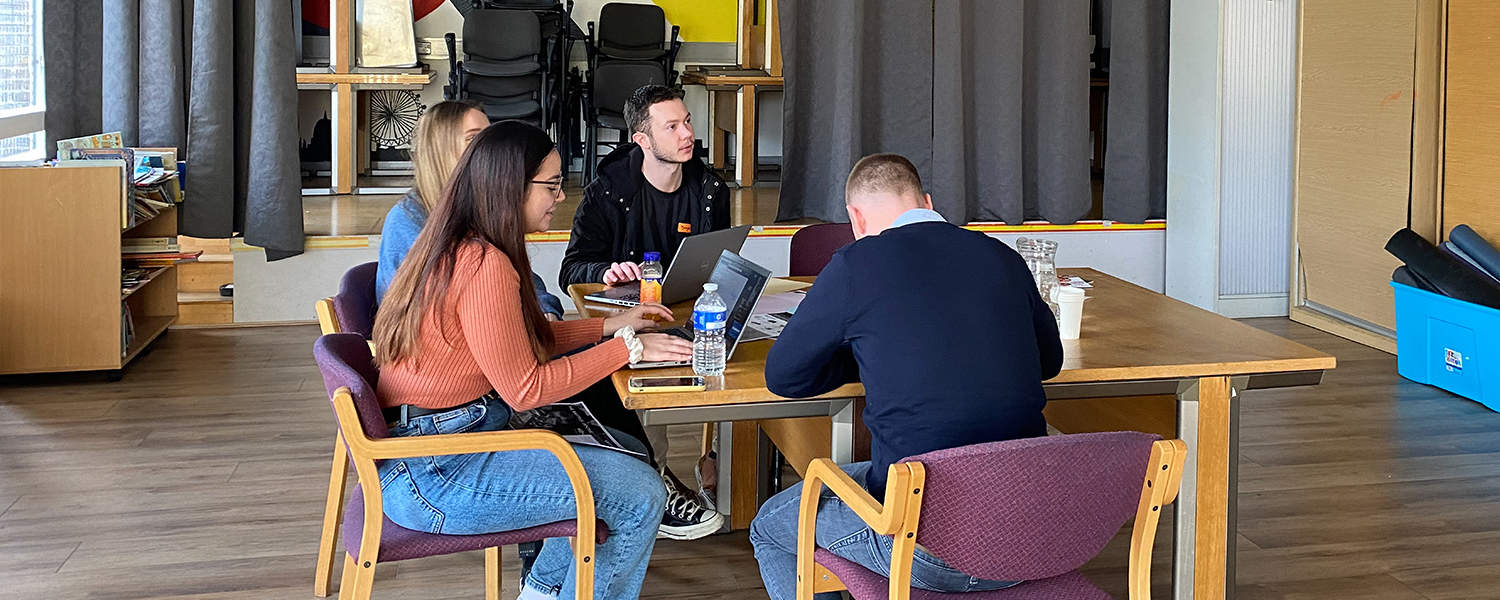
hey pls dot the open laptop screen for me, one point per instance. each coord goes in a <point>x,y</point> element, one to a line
<point>740,284</point>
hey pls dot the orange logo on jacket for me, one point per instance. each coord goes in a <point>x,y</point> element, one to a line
<point>684,228</point>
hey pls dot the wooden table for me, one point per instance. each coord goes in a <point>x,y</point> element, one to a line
<point>741,85</point>
<point>1140,353</point>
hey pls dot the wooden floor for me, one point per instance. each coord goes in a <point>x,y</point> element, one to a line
<point>201,475</point>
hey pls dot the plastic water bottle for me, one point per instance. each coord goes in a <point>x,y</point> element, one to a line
<point>710,320</point>
<point>651,275</point>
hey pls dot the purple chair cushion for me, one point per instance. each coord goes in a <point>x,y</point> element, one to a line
<point>813,246</point>
<point>344,359</point>
<point>399,543</point>
<point>865,584</point>
<point>1030,509</point>
<point>355,304</point>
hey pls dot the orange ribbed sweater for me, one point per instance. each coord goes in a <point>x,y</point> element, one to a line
<point>482,345</point>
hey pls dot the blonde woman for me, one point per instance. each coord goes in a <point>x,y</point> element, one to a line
<point>443,133</point>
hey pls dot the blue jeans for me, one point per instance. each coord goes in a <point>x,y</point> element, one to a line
<point>469,494</point>
<point>774,535</point>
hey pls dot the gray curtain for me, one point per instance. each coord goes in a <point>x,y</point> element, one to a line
<point>858,80</point>
<point>216,79</point>
<point>1135,155</point>
<point>989,98</point>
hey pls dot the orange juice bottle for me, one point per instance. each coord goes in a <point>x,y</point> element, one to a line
<point>651,275</point>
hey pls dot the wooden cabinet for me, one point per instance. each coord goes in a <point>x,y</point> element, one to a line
<point>1398,125</point>
<point>61,304</point>
<point>1471,132</point>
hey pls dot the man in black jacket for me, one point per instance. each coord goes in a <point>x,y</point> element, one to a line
<point>647,197</point>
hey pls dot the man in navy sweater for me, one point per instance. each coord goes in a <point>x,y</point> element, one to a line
<point>952,341</point>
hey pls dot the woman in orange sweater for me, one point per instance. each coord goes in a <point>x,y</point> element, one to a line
<point>462,344</point>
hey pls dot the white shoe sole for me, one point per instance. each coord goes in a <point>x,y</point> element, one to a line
<point>691,532</point>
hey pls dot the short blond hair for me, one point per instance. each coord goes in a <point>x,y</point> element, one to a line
<point>883,173</point>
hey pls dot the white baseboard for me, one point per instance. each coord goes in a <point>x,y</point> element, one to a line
<point>1253,305</point>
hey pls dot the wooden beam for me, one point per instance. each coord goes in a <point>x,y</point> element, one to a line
<point>342,35</point>
<point>344,124</point>
<point>1427,121</point>
<point>412,79</point>
<point>773,38</point>
<point>744,161</point>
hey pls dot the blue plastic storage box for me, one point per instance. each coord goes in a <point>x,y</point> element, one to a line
<point>1448,343</point>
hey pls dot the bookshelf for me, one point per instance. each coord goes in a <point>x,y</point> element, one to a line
<point>61,300</point>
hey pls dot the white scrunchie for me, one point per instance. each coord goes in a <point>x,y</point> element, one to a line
<point>637,349</point>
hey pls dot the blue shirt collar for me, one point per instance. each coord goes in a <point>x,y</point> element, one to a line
<point>917,215</point>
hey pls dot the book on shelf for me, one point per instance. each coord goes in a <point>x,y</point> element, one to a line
<point>132,278</point>
<point>127,328</point>
<point>149,176</point>
<point>147,245</point>
<point>169,256</point>
<point>112,139</point>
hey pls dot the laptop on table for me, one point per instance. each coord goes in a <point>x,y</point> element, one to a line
<point>740,285</point>
<point>690,269</point>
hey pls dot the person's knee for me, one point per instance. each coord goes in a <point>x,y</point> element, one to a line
<point>769,523</point>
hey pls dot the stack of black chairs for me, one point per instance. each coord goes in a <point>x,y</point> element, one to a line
<point>629,50</point>
<point>515,61</point>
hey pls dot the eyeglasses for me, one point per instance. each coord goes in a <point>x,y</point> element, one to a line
<point>553,185</point>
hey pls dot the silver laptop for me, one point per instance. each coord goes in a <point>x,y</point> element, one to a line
<point>741,283</point>
<point>690,269</point>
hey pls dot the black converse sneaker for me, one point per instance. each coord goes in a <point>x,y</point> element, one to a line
<point>685,518</point>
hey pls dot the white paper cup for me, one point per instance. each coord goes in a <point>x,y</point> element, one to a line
<point>1070,311</point>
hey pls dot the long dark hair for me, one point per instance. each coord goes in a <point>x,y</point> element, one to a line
<point>484,201</point>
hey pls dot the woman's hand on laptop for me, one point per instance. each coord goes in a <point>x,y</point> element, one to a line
<point>637,318</point>
<point>619,273</point>
<point>660,347</point>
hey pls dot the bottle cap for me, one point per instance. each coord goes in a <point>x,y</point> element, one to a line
<point>653,256</point>
<point>710,287</point>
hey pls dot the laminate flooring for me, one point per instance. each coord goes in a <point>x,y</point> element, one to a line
<point>202,475</point>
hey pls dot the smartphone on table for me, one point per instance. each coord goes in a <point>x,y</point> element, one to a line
<point>646,385</point>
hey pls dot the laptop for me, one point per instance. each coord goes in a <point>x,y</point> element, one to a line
<point>740,285</point>
<point>690,269</point>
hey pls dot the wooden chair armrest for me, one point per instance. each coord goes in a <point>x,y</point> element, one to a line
<point>824,472</point>
<point>365,451</point>
<point>466,443</point>
<point>327,321</point>
<point>897,517</point>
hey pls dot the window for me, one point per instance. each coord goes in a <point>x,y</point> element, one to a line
<point>23,103</point>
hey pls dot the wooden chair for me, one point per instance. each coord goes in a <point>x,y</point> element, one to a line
<point>1032,510</point>
<point>352,310</point>
<point>349,375</point>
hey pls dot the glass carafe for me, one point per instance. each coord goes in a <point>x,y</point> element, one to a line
<point>1041,260</point>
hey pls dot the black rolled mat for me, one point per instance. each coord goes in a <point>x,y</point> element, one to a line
<point>1404,276</point>
<point>1446,272</point>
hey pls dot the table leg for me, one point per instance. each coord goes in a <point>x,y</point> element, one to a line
<point>744,132</point>
<point>842,446</point>
<point>744,466</point>
<point>1203,525</point>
